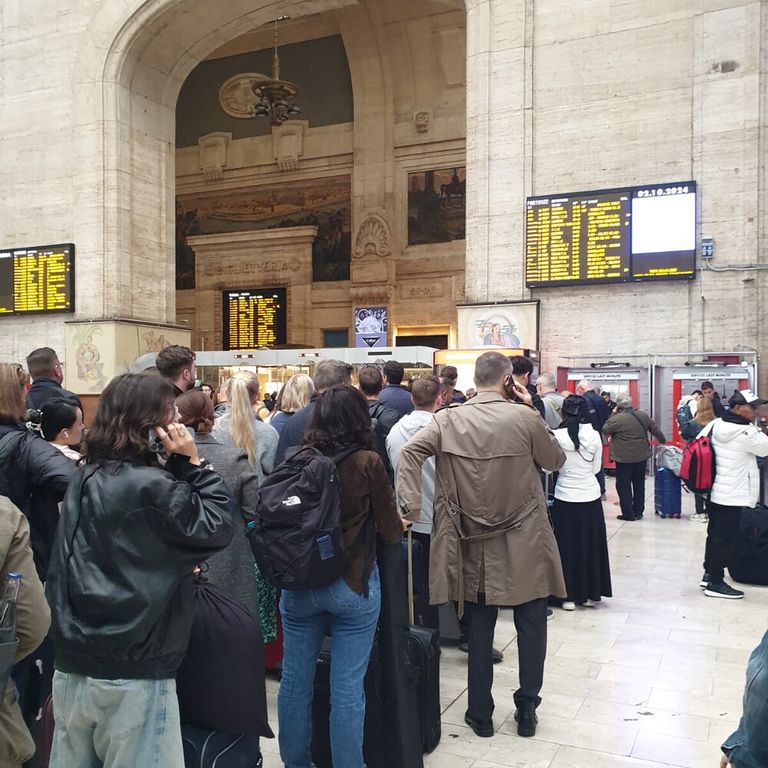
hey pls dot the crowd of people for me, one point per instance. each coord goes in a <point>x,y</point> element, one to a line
<point>502,486</point>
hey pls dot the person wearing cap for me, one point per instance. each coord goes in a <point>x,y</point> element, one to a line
<point>736,443</point>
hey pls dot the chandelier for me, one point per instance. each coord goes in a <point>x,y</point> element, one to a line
<point>276,96</point>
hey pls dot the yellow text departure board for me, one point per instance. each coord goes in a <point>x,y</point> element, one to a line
<point>255,318</point>
<point>611,236</point>
<point>37,279</point>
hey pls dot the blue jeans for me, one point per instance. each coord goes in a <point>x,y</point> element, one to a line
<point>748,746</point>
<point>115,723</point>
<point>351,619</point>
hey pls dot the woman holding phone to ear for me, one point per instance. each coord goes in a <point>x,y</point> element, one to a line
<point>120,580</point>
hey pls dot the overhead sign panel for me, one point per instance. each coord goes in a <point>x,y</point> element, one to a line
<point>255,318</point>
<point>37,279</point>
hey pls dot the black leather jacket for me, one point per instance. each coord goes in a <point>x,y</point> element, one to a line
<point>34,476</point>
<point>120,578</point>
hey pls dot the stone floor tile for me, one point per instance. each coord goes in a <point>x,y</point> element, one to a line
<point>571,757</point>
<point>686,753</point>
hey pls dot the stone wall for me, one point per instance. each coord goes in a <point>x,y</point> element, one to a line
<point>608,93</point>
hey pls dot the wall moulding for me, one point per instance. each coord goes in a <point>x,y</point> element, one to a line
<point>373,237</point>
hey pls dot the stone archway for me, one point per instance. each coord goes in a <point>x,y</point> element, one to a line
<point>127,82</point>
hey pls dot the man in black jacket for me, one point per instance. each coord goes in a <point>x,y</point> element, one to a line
<point>383,418</point>
<point>177,364</point>
<point>522,368</point>
<point>47,374</point>
<point>328,373</point>
<point>709,392</point>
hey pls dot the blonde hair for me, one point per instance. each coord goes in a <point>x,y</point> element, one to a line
<point>705,412</point>
<point>296,393</point>
<point>13,380</point>
<point>243,393</point>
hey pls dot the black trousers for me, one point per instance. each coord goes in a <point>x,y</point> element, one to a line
<point>531,626</point>
<point>722,531</point>
<point>630,484</point>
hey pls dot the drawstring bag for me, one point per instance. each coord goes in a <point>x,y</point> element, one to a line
<point>220,683</point>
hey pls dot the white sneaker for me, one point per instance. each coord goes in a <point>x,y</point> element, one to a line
<point>569,606</point>
<point>589,603</point>
<point>700,518</point>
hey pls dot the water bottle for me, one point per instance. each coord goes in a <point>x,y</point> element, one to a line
<point>8,607</point>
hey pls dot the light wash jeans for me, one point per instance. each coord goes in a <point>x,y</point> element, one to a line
<point>115,723</point>
<point>352,620</point>
<point>748,746</point>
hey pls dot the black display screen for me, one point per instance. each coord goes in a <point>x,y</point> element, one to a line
<point>612,236</point>
<point>255,318</point>
<point>37,279</point>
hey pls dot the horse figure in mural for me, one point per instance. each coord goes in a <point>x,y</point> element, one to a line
<point>456,188</point>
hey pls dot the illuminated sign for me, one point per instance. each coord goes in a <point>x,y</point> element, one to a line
<point>255,318</point>
<point>612,236</point>
<point>37,279</point>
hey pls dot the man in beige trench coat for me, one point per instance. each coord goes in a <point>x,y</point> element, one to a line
<point>492,544</point>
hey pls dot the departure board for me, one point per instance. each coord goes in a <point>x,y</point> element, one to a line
<point>255,318</point>
<point>37,279</point>
<point>610,236</point>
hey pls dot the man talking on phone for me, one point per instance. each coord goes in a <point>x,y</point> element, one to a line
<point>492,544</point>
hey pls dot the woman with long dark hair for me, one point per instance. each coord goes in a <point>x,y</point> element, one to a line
<point>120,580</point>
<point>349,607</point>
<point>577,513</point>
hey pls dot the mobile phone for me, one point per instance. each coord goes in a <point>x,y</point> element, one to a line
<point>509,386</point>
<point>155,443</point>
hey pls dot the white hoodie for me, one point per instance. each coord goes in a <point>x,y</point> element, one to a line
<point>398,436</point>
<point>737,477</point>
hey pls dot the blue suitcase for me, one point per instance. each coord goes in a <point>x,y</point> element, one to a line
<point>667,494</point>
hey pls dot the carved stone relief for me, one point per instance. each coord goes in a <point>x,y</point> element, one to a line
<point>236,96</point>
<point>422,120</point>
<point>213,154</point>
<point>288,141</point>
<point>373,237</point>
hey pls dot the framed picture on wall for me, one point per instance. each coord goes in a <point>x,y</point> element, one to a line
<point>511,325</point>
<point>437,206</point>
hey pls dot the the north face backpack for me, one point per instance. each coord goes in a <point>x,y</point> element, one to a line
<point>296,536</point>
<point>697,468</point>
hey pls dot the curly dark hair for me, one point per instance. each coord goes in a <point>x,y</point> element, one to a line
<point>129,407</point>
<point>340,420</point>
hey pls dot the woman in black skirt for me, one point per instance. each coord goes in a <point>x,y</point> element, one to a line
<point>577,513</point>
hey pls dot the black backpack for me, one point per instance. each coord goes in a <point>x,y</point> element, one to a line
<point>296,536</point>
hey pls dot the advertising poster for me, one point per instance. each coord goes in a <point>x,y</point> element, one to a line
<point>371,327</point>
<point>514,325</point>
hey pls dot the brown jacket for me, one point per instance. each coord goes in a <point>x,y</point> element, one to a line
<point>367,507</point>
<point>488,493</point>
<point>629,435</point>
<point>33,619</point>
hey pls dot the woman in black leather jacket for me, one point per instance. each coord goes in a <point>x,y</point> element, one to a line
<point>33,474</point>
<point>120,580</point>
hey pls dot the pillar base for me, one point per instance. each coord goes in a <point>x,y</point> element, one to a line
<point>99,350</point>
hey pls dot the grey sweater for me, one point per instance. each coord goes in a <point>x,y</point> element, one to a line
<point>266,443</point>
<point>232,569</point>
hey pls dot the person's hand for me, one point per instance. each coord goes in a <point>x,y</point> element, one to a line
<point>723,762</point>
<point>521,393</point>
<point>406,524</point>
<point>176,438</point>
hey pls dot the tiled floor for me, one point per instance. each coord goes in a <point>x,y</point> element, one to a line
<point>652,678</point>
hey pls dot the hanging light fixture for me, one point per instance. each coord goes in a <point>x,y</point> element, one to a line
<point>276,96</point>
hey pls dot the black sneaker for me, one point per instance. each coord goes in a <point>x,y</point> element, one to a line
<point>705,579</point>
<point>483,729</point>
<point>626,519</point>
<point>723,590</point>
<point>526,719</point>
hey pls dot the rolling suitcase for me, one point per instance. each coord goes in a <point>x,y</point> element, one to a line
<point>46,732</point>
<point>667,495</point>
<point>374,740</point>
<point>424,652</point>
